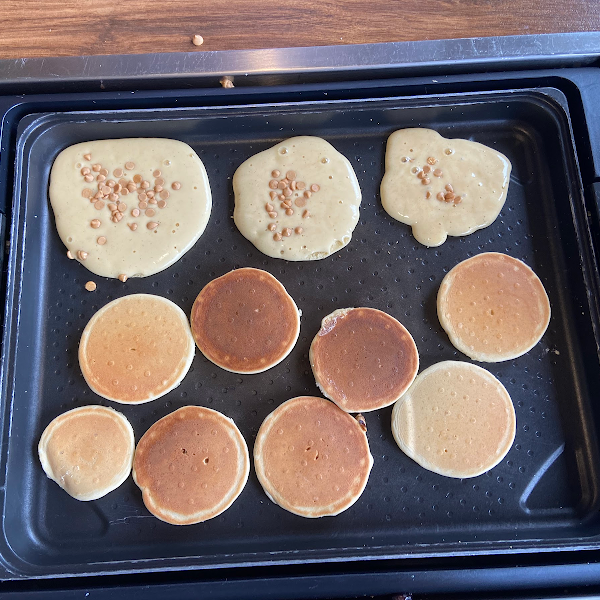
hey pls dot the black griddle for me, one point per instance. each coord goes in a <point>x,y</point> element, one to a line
<point>537,507</point>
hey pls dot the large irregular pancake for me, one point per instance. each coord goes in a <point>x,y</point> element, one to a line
<point>363,359</point>
<point>493,307</point>
<point>129,207</point>
<point>298,200</point>
<point>456,419</point>
<point>88,451</point>
<point>191,465</point>
<point>136,349</point>
<point>245,321</point>
<point>442,186</point>
<point>311,458</point>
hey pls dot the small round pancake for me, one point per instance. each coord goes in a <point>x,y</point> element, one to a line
<point>363,359</point>
<point>191,465</point>
<point>245,321</point>
<point>136,349</point>
<point>311,458</point>
<point>88,451</point>
<point>298,200</point>
<point>456,419</point>
<point>493,307</point>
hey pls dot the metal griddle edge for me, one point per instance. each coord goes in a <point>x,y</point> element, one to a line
<point>568,62</point>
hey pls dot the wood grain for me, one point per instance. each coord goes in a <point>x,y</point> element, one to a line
<point>68,27</point>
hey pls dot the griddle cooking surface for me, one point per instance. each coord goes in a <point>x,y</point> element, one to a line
<point>538,492</point>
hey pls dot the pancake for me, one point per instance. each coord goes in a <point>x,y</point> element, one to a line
<point>311,458</point>
<point>191,465</point>
<point>363,359</point>
<point>88,451</point>
<point>245,321</point>
<point>130,207</point>
<point>442,186</point>
<point>493,307</point>
<point>456,419</point>
<point>298,200</point>
<point>136,349</point>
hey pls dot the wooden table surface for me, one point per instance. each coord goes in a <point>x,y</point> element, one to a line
<point>33,28</point>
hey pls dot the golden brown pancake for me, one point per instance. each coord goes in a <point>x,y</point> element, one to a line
<point>493,307</point>
<point>312,458</point>
<point>245,321</point>
<point>88,451</point>
<point>363,359</point>
<point>456,419</point>
<point>136,349</point>
<point>191,465</point>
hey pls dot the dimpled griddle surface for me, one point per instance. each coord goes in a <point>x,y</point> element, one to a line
<point>535,492</point>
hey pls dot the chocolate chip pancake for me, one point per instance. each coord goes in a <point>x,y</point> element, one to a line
<point>363,359</point>
<point>245,321</point>
<point>493,307</point>
<point>456,419</point>
<point>88,451</point>
<point>191,465</point>
<point>136,349</point>
<point>312,458</point>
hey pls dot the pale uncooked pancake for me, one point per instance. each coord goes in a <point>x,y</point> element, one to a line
<point>363,359</point>
<point>88,451</point>
<point>320,187</point>
<point>456,419</point>
<point>245,321</point>
<point>493,307</point>
<point>312,458</point>
<point>136,349</point>
<point>191,465</point>
<point>129,207</point>
<point>442,186</point>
